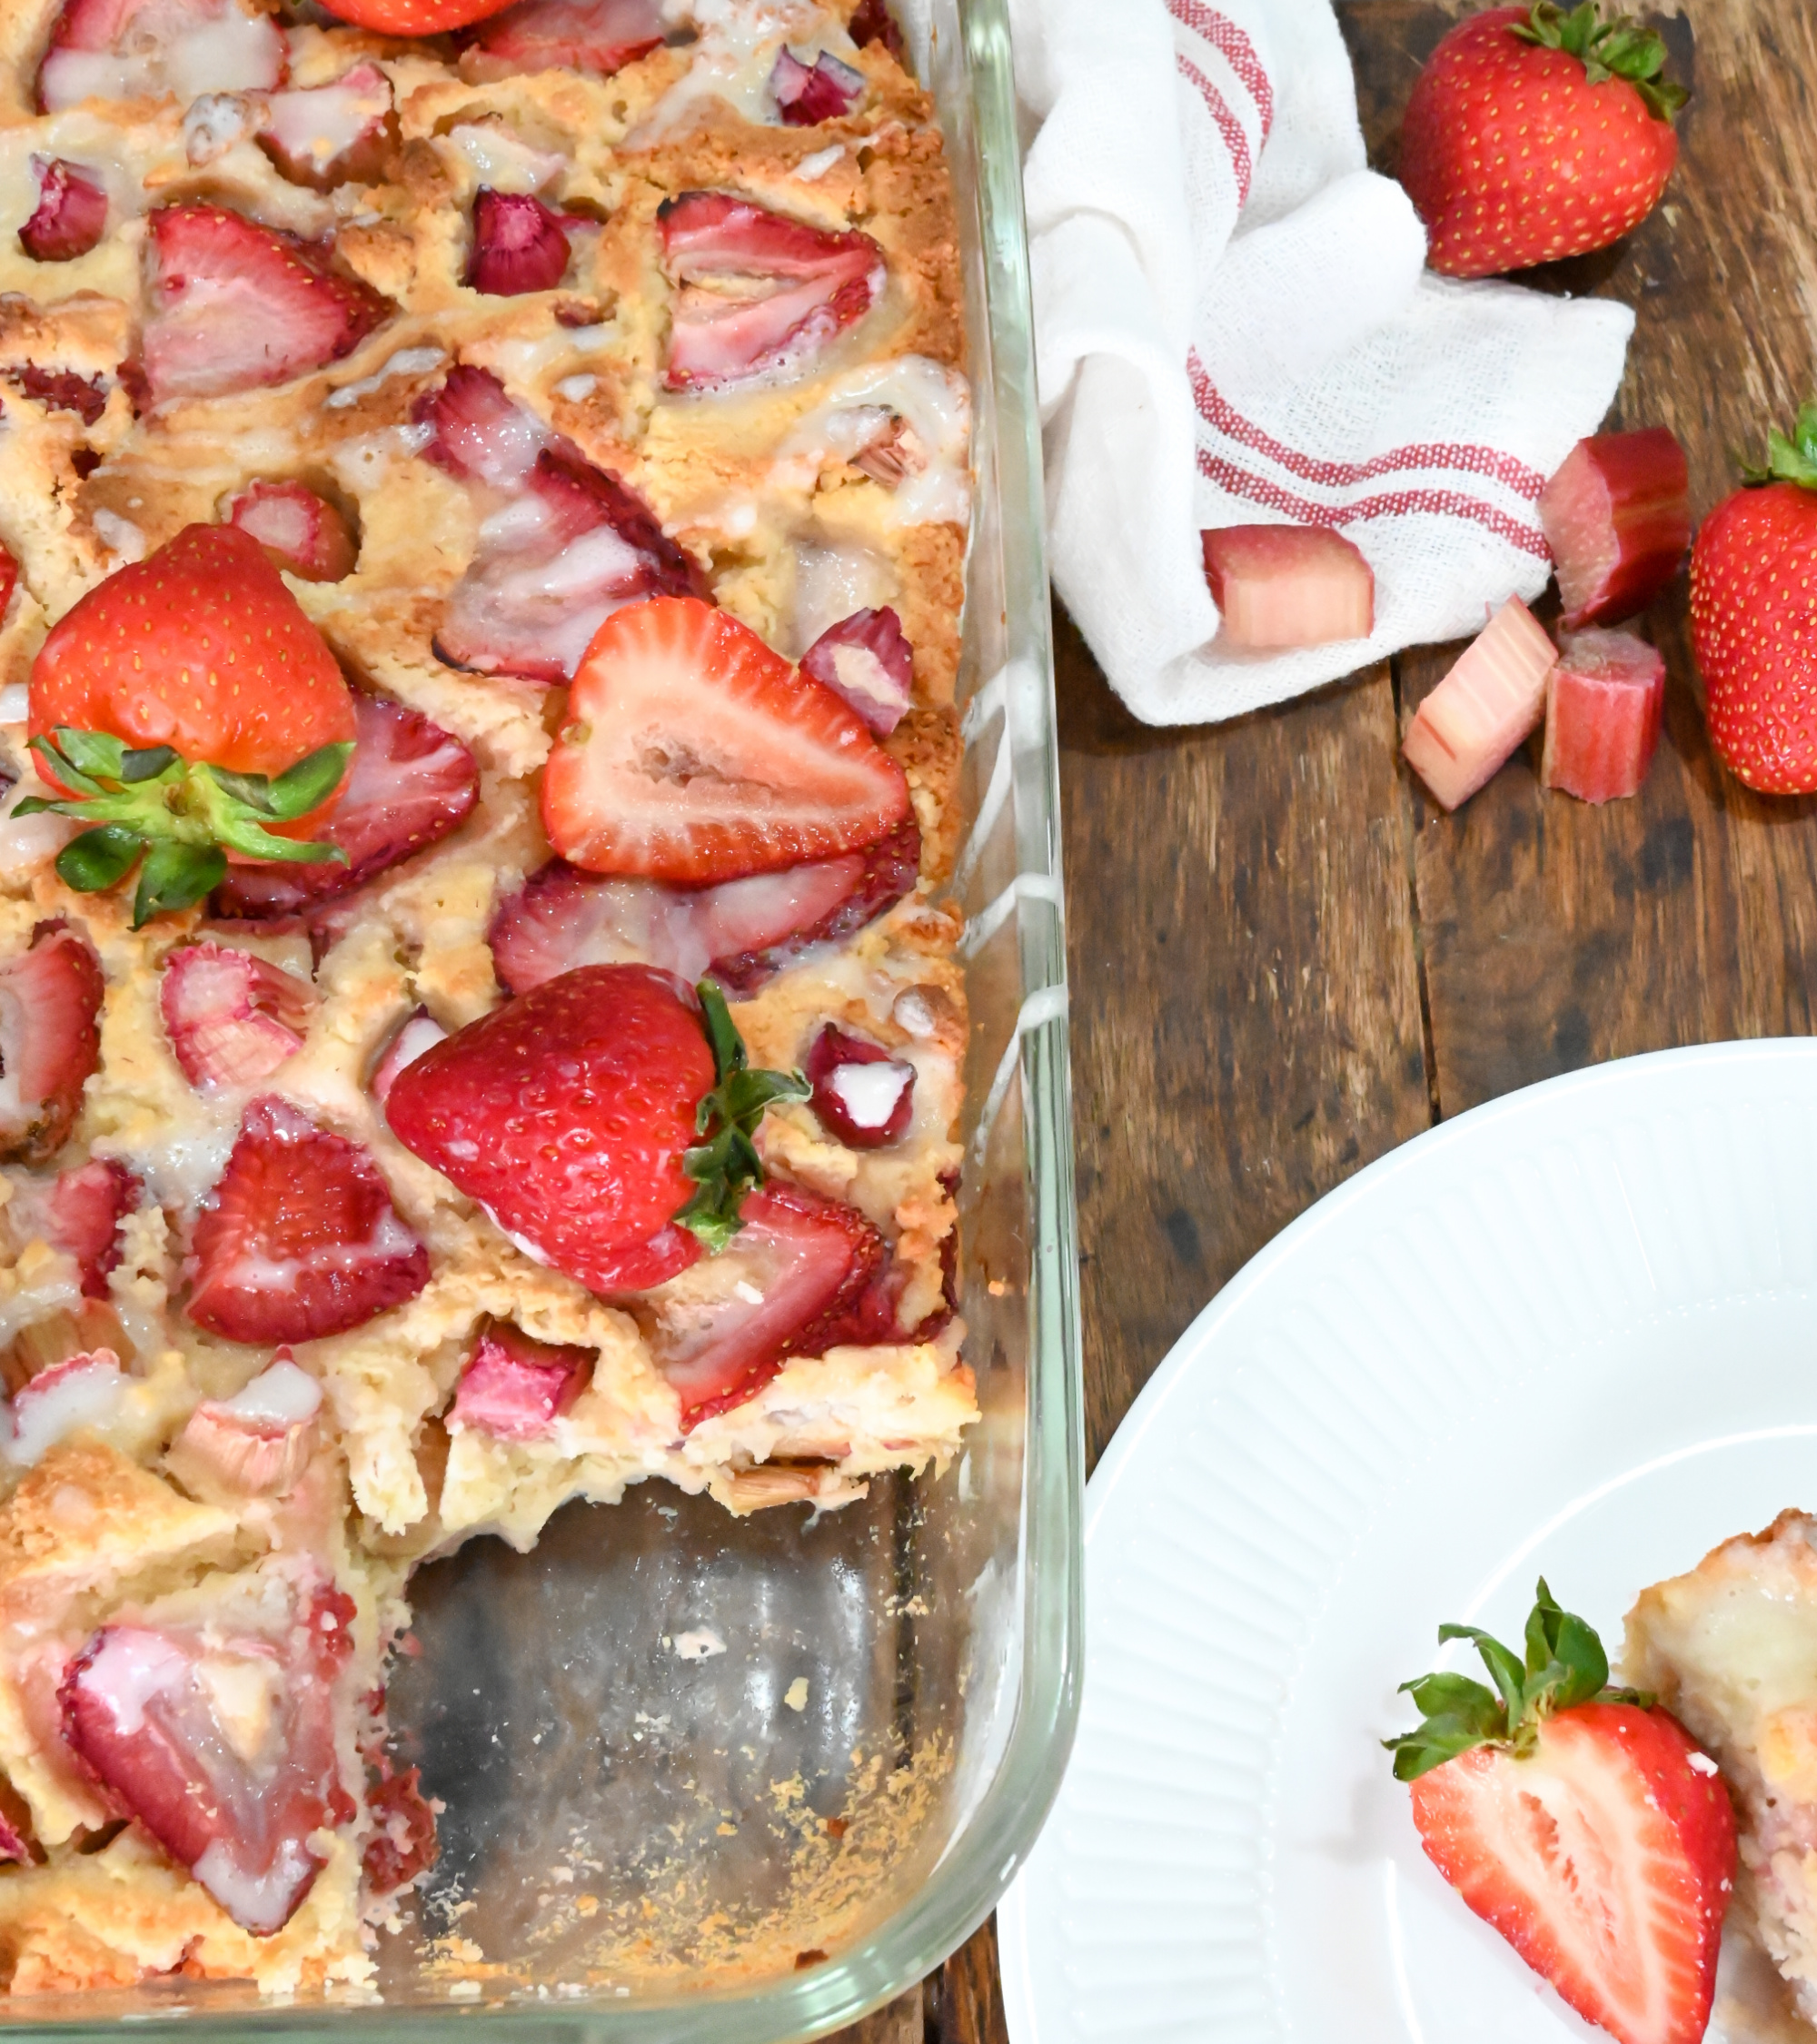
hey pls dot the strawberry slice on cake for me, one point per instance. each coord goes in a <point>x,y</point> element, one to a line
<point>597,37</point>
<point>50,1041</point>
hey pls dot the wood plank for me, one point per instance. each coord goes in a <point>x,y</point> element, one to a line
<point>1556,934</point>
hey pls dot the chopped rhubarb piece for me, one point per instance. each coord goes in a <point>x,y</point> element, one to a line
<point>404,1844</point>
<point>61,390</point>
<point>340,134</point>
<point>409,785</point>
<point>1470,724</point>
<point>298,530</point>
<point>864,1098</point>
<point>421,1032</point>
<point>867,663</point>
<point>232,1018</point>
<point>257,1443</point>
<point>50,1041</point>
<point>224,1748</point>
<point>793,1275</point>
<point>1617,518</point>
<point>718,248</point>
<point>600,37</point>
<point>1605,703</point>
<point>872,22</point>
<point>1288,585</point>
<point>516,1388</point>
<point>478,432</point>
<point>235,306</point>
<point>808,93</point>
<point>84,1214</point>
<point>299,1239</point>
<point>136,49</point>
<point>519,245</point>
<point>70,216</point>
<point>60,1401</point>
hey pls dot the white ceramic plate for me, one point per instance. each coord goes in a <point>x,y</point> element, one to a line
<point>1570,1334</point>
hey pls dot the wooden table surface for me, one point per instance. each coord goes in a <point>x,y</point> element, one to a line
<point>1286,959</point>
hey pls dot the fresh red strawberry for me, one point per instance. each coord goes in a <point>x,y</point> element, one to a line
<point>404,1844</point>
<point>1581,1821</point>
<point>568,1112</point>
<point>519,245</point>
<point>693,753</point>
<point>299,1239</point>
<point>61,390</point>
<point>409,784</point>
<point>134,49</point>
<point>190,710</point>
<point>864,1098</point>
<point>1617,518</point>
<point>418,1033</point>
<point>740,931</point>
<point>872,22</point>
<point>867,663</point>
<point>516,1388</point>
<point>808,93</point>
<point>600,37</point>
<point>339,134</point>
<point>223,1749</point>
<point>1533,134</point>
<point>50,1041</point>
<point>299,531</point>
<point>1752,624</point>
<point>715,247</point>
<point>413,18</point>
<point>71,216</point>
<point>792,1277</point>
<point>85,1211</point>
<point>234,305</point>
<point>232,1018</point>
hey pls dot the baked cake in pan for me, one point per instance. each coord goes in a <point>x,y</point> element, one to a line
<point>598,343</point>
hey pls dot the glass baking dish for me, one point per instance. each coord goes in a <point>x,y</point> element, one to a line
<point>739,1779</point>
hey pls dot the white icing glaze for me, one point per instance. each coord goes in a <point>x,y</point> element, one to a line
<point>933,402</point>
<point>281,1396</point>
<point>504,161</point>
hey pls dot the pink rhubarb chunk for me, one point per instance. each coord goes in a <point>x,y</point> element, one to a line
<point>516,1388</point>
<point>1605,702</point>
<point>1617,518</point>
<point>232,1018</point>
<point>1287,585</point>
<point>1496,694</point>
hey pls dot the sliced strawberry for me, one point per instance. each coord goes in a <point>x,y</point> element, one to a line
<point>1617,518</point>
<point>516,1388</point>
<point>232,1018</point>
<point>339,134</point>
<point>403,1846</point>
<point>131,49</point>
<point>421,1032</point>
<point>867,663</point>
<point>478,431</point>
<point>83,1214</point>
<point>1605,703</point>
<point>50,1041</point>
<point>299,531</point>
<point>758,293</point>
<point>565,1114</point>
<point>257,1443</point>
<point>77,1392</point>
<point>864,1096</point>
<point>693,753</point>
<point>808,93</point>
<point>409,785</point>
<point>872,22</point>
<point>797,1268</point>
<point>519,245</point>
<point>1288,585</point>
<point>71,216</point>
<point>600,37</point>
<point>740,931</point>
<point>299,1239</point>
<point>223,1749</point>
<point>235,305</point>
<point>9,579</point>
<point>62,389</point>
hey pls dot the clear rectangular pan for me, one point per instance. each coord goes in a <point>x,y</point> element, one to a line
<point>713,1779</point>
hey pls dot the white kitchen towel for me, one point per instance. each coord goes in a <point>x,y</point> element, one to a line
<point>1235,326</point>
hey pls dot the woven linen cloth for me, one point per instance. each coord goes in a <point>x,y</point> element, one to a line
<point>1235,326</point>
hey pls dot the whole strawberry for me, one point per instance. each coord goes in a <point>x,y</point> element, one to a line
<point>1533,134</point>
<point>1579,1821</point>
<point>1753,620</point>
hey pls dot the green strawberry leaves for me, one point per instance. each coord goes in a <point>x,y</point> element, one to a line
<point>1790,460</point>
<point>1620,48</point>
<point>176,821</point>
<point>1565,1665</point>
<point>726,1165</point>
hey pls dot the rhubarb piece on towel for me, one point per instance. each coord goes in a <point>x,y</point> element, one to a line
<point>1604,702</point>
<point>1470,724</point>
<point>1279,586</point>
<point>1617,518</point>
